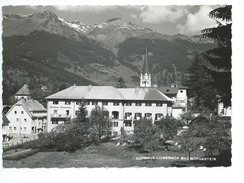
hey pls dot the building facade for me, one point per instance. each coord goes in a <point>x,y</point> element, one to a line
<point>124,105</point>
<point>26,117</point>
<point>179,96</point>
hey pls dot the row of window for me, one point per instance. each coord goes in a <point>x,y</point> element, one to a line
<point>67,112</point>
<point>16,112</point>
<point>158,104</point>
<point>115,115</point>
<point>18,120</point>
<point>14,128</point>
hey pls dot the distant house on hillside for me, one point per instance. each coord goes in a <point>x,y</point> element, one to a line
<point>26,117</point>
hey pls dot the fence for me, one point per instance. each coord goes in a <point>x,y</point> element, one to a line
<point>10,145</point>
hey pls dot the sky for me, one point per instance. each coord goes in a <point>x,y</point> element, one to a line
<point>170,19</point>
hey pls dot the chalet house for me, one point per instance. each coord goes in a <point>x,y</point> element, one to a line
<point>26,117</point>
<point>124,105</point>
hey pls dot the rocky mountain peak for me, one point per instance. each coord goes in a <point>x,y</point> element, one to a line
<point>44,15</point>
<point>76,22</point>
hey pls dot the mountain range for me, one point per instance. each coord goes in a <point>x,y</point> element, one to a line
<point>44,49</point>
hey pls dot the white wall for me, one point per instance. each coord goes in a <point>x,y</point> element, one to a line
<point>24,121</point>
<point>122,109</point>
<point>176,112</point>
<point>181,97</point>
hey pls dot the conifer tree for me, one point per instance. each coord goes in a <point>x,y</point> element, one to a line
<point>203,95</point>
<point>220,57</point>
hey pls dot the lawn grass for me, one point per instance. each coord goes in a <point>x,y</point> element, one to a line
<point>104,155</point>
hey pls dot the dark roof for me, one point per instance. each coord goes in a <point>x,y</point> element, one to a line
<point>154,95</point>
<point>24,91</point>
<point>169,90</point>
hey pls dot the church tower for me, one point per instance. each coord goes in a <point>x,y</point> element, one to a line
<point>24,92</point>
<point>145,80</point>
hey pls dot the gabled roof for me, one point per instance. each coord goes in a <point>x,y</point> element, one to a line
<point>110,93</point>
<point>30,106</point>
<point>24,91</point>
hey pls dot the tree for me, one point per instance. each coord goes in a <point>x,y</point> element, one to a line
<point>99,122</point>
<point>218,141</point>
<point>220,57</point>
<point>120,83</point>
<point>40,96</point>
<point>81,116</point>
<point>168,127</point>
<point>146,136</point>
<point>203,95</point>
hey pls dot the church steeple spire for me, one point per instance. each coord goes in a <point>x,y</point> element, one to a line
<point>145,80</point>
<point>145,66</point>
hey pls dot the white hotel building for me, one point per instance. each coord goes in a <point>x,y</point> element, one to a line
<point>125,105</point>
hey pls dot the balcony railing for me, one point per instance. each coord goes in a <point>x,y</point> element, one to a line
<point>60,116</point>
<point>128,117</point>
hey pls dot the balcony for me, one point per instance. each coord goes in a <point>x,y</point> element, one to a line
<point>138,116</point>
<point>128,116</point>
<point>148,116</point>
<point>158,116</point>
<point>59,116</point>
<point>115,115</point>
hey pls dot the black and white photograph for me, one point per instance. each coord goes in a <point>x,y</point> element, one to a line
<point>117,86</point>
